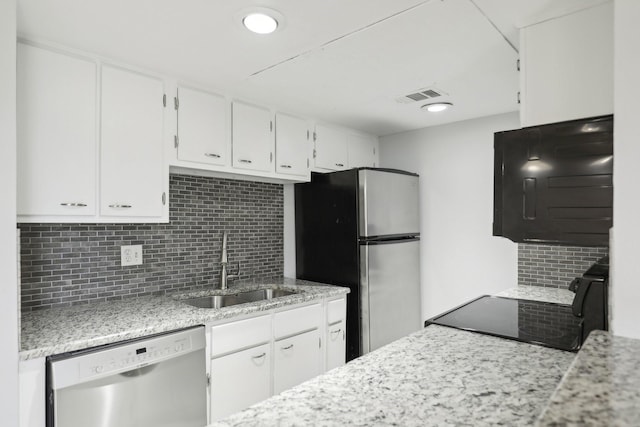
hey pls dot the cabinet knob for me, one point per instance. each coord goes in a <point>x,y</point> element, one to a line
<point>260,356</point>
<point>73,204</point>
<point>119,206</point>
<point>285,166</point>
<point>290,346</point>
<point>244,161</point>
<point>339,165</point>
<point>214,155</point>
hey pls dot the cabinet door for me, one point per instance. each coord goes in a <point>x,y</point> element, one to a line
<point>362,151</point>
<point>336,345</point>
<point>292,145</point>
<point>56,126</point>
<point>296,359</point>
<point>239,380</point>
<point>567,67</point>
<point>330,148</point>
<point>202,127</point>
<point>132,169</point>
<point>252,137</point>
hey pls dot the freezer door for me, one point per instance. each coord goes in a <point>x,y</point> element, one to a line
<point>390,291</point>
<point>388,203</point>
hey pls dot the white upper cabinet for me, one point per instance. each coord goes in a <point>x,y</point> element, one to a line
<point>56,125</point>
<point>330,148</point>
<point>363,151</point>
<point>567,67</point>
<point>132,172</point>
<point>252,137</point>
<point>202,127</point>
<point>292,145</point>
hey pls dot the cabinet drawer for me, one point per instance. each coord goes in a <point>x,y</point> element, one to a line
<point>295,321</point>
<point>336,310</point>
<point>241,334</point>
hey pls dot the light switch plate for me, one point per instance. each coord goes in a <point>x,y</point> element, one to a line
<point>131,255</point>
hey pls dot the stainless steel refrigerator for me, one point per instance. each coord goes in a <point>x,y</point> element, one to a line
<point>359,228</point>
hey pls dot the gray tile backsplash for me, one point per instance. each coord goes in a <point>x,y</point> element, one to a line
<point>66,264</point>
<point>554,266</point>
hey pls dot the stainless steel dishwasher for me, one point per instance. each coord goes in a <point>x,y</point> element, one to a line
<point>152,381</point>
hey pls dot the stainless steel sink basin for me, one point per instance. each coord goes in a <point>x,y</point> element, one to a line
<point>215,301</point>
<point>262,294</point>
<point>219,301</point>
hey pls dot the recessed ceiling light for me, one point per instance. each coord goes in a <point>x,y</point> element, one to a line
<point>260,23</point>
<point>260,20</point>
<point>437,106</point>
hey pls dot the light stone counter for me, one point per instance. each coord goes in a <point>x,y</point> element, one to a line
<point>539,293</point>
<point>438,376</point>
<point>59,330</point>
<point>602,386</point>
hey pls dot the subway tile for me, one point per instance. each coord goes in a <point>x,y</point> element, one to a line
<point>83,260</point>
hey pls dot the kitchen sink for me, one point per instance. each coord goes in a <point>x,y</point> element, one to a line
<point>262,294</point>
<point>215,301</point>
<point>219,301</point>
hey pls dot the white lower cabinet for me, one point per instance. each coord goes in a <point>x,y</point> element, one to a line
<point>254,358</point>
<point>336,333</point>
<point>296,359</point>
<point>336,345</point>
<point>32,392</point>
<point>240,379</point>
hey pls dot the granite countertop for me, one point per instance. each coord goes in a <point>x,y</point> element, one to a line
<point>539,293</point>
<point>602,386</point>
<point>59,330</point>
<point>437,376</point>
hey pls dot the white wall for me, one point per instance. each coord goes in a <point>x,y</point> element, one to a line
<point>8,286</point>
<point>625,289</point>
<point>460,258</point>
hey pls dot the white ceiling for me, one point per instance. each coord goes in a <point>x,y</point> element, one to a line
<point>338,61</point>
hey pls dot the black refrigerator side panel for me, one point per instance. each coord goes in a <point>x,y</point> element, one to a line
<point>327,248</point>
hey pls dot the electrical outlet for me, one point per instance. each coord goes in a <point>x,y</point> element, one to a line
<point>131,255</point>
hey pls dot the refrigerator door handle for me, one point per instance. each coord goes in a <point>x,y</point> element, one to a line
<point>364,300</point>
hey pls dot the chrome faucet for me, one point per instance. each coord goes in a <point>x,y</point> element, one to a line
<point>224,276</point>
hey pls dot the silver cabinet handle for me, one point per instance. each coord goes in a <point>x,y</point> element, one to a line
<point>119,206</point>
<point>74,205</point>
<point>244,161</point>
<point>285,166</point>
<point>214,155</point>
<point>337,331</point>
<point>260,356</point>
<point>288,347</point>
<point>339,165</point>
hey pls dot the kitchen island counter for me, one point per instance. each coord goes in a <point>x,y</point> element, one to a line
<point>437,376</point>
<point>602,386</point>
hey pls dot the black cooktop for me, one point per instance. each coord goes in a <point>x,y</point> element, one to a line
<point>534,322</point>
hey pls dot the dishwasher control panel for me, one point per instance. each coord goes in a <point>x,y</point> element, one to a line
<point>128,356</point>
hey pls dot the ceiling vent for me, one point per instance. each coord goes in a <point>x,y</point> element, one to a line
<point>421,95</point>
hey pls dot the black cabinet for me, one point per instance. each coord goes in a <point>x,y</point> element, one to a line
<point>554,183</point>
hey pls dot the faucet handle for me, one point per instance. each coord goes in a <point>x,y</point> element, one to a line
<point>237,273</point>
